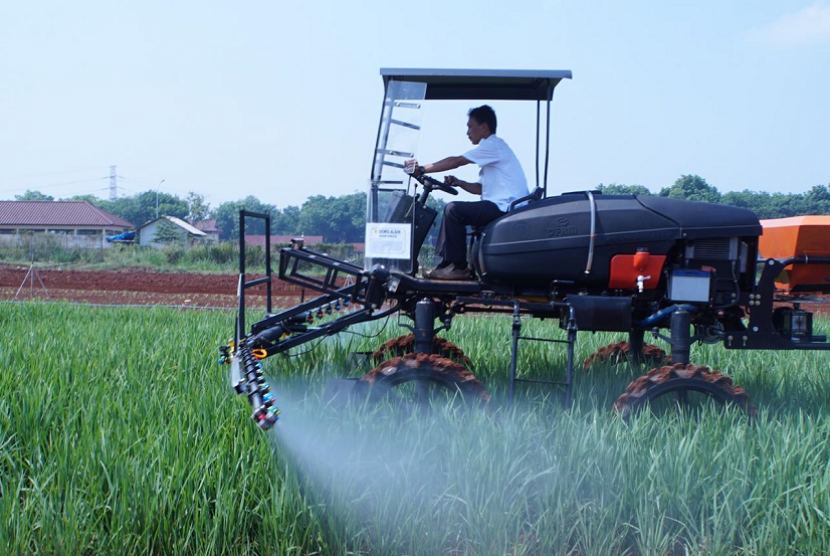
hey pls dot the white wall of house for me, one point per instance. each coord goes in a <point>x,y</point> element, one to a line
<point>67,241</point>
<point>147,234</point>
<point>92,238</point>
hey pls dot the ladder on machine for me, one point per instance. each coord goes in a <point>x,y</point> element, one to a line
<point>570,342</point>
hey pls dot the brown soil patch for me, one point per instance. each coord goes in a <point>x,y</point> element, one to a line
<point>144,288</point>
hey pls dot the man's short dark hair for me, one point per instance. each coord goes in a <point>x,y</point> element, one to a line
<point>484,115</point>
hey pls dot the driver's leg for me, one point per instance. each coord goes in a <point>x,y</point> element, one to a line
<point>452,237</point>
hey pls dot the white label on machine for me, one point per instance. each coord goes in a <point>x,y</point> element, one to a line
<point>388,241</point>
<point>689,285</point>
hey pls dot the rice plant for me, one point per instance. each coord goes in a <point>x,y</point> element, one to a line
<point>119,434</point>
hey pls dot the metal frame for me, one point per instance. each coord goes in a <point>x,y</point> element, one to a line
<point>483,84</point>
<point>423,299</point>
<point>427,300</point>
<point>761,333</point>
<point>243,284</point>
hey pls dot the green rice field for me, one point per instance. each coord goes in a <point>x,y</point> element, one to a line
<point>119,434</point>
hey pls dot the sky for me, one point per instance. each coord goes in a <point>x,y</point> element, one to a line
<point>281,100</point>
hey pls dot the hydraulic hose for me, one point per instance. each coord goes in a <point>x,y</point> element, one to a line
<point>663,313</point>
<point>593,236</point>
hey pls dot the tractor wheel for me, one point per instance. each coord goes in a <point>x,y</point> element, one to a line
<point>679,380</point>
<point>621,352</point>
<point>400,346</point>
<point>419,378</point>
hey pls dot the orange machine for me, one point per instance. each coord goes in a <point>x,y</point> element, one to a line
<point>799,236</point>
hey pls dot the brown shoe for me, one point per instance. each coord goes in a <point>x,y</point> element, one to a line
<point>449,273</point>
<point>430,274</point>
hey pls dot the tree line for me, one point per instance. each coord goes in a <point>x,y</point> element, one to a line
<point>765,205</point>
<point>338,219</point>
<point>343,218</point>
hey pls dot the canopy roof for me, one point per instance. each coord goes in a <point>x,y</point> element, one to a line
<point>481,84</point>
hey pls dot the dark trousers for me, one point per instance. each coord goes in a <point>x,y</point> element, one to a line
<point>452,238</point>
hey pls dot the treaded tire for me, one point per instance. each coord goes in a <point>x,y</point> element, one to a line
<point>620,352</point>
<point>434,369</point>
<point>402,345</point>
<point>680,378</point>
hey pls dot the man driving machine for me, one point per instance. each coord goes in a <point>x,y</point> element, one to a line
<point>501,181</point>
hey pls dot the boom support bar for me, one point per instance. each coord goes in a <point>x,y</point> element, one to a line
<point>243,285</point>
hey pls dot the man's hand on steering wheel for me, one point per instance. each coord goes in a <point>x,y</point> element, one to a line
<point>446,187</point>
<point>412,168</point>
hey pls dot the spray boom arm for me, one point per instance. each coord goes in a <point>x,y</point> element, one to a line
<point>277,333</point>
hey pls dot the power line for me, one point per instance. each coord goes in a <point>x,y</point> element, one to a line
<point>48,174</point>
<point>87,193</point>
<point>39,187</point>
<point>113,184</point>
<point>139,182</point>
<point>154,186</point>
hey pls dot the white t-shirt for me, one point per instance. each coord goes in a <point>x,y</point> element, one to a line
<point>501,176</point>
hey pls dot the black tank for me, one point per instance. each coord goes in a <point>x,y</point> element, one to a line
<point>549,239</point>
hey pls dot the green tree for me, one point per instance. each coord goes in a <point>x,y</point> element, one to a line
<point>817,200</point>
<point>91,199</point>
<point>692,188</point>
<point>623,189</point>
<point>34,196</point>
<point>227,220</point>
<point>141,208</point>
<point>197,208</point>
<point>337,219</point>
<point>227,217</point>
<point>167,232</point>
<point>286,221</point>
<point>765,205</point>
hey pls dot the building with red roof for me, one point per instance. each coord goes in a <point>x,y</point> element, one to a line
<point>209,227</point>
<point>67,218</point>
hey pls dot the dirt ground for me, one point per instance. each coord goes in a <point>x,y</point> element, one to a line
<point>132,287</point>
<point>142,288</point>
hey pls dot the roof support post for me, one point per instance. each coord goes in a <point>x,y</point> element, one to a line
<point>547,141</point>
<point>538,110</point>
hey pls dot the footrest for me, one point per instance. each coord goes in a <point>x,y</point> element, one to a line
<point>427,286</point>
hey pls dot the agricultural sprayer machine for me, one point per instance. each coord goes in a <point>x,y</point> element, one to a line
<point>682,271</point>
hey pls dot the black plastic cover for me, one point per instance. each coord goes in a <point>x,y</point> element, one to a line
<point>593,312</point>
<point>549,240</point>
<point>698,219</point>
<point>481,84</point>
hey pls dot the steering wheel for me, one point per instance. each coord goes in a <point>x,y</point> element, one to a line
<point>432,183</point>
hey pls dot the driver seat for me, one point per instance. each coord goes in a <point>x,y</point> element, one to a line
<point>535,195</point>
<point>475,232</point>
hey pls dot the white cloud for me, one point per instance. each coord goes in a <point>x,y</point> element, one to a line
<point>806,27</point>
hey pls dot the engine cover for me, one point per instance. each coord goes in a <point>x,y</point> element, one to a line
<point>549,240</point>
